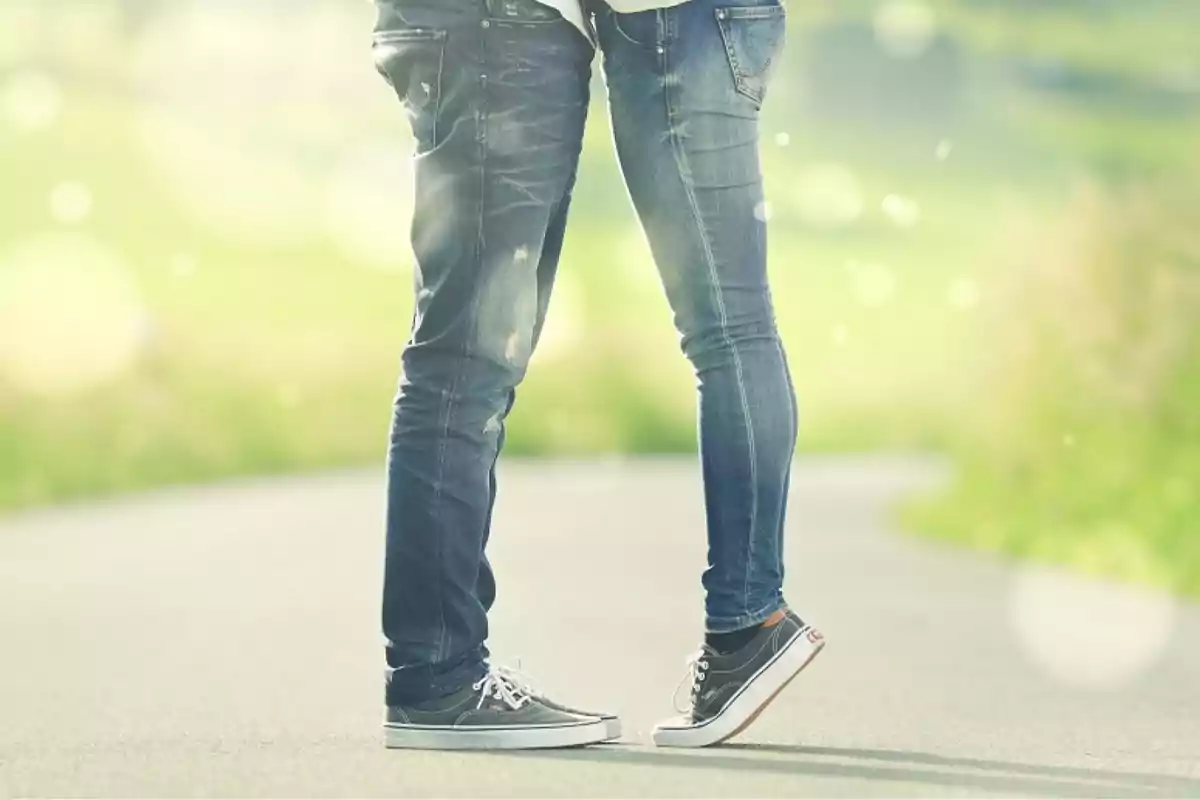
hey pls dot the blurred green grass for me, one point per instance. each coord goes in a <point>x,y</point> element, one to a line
<point>265,359</point>
<point>268,345</point>
<point>1090,455</point>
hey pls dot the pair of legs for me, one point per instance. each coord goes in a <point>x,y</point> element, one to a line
<point>497,93</point>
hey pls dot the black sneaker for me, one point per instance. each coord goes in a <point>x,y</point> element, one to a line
<point>730,691</point>
<point>611,721</point>
<point>492,714</point>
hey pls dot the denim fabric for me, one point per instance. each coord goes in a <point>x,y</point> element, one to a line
<point>497,91</point>
<point>497,95</point>
<point>685,87</point>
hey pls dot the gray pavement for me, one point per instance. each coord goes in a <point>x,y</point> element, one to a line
<point>223,641</point>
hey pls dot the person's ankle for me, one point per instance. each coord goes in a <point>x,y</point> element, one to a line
<point>731,642</point>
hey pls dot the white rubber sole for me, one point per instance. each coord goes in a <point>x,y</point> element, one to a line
<point>754,696</point>
<point>612,728</point>
<point>417,737</point>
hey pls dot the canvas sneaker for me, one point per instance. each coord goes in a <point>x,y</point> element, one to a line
<point>611,721</point>
<point>494,713</point>
<point>729,691</point>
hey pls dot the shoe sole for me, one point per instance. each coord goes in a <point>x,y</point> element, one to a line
<point>611,721</point>
<point>612,729</point>
<point>752,700</point>
<point>495,737</point>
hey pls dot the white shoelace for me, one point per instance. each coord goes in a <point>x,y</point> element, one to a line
<point>697,663</point>
<point>517,678</point>
<point>499,684</point>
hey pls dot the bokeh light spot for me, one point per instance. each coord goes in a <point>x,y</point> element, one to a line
<point>184,265</point>
<point>31,101</point>
<point>70,203</point>
<point>1086,632</point>
<point>903,212</point>
<point>783,139</point>
<point>943,149</point>
<point>71,315</point>
<point>963,294</point>
<point>827,196</point>
<point>905,28</point>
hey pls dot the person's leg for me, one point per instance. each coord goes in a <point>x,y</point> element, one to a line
<point>685,85</point>
<point>688,144</point>
<point>497,95</point>
<point>485,587</point>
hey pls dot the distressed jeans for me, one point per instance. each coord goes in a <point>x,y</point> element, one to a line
<point>497,94</point>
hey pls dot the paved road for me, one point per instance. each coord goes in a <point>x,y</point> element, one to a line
<point>222,642</point>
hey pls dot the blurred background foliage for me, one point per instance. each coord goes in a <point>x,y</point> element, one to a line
<point>985,243</point>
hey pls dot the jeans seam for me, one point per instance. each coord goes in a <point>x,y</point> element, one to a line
<point>480,236</point>
<point>477,258</point>
<point>448,415</point>
<point>719,299</point>
<point>795,419</point>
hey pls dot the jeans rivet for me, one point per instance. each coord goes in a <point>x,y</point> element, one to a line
<point>660,49</point>
<point>486,24</point>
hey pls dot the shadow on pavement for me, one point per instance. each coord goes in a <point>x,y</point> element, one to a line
<point>970,773</point>
<point>1170,783</point>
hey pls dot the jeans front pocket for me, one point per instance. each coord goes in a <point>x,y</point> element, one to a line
<point>754,37</point>
<point>522,11</point>
<point>411,61</point>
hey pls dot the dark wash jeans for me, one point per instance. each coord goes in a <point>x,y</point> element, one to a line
<point>497,94</point>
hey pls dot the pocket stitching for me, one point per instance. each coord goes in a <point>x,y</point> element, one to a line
<point>431,36</point>
<point>616,21</point>
<point>726,15</point>
<point>753,12</point>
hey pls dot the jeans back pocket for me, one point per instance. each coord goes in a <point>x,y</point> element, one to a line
<point>754,37</point>
<point>410,60</point>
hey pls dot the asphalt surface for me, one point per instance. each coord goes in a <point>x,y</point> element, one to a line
<point>223,641</point>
